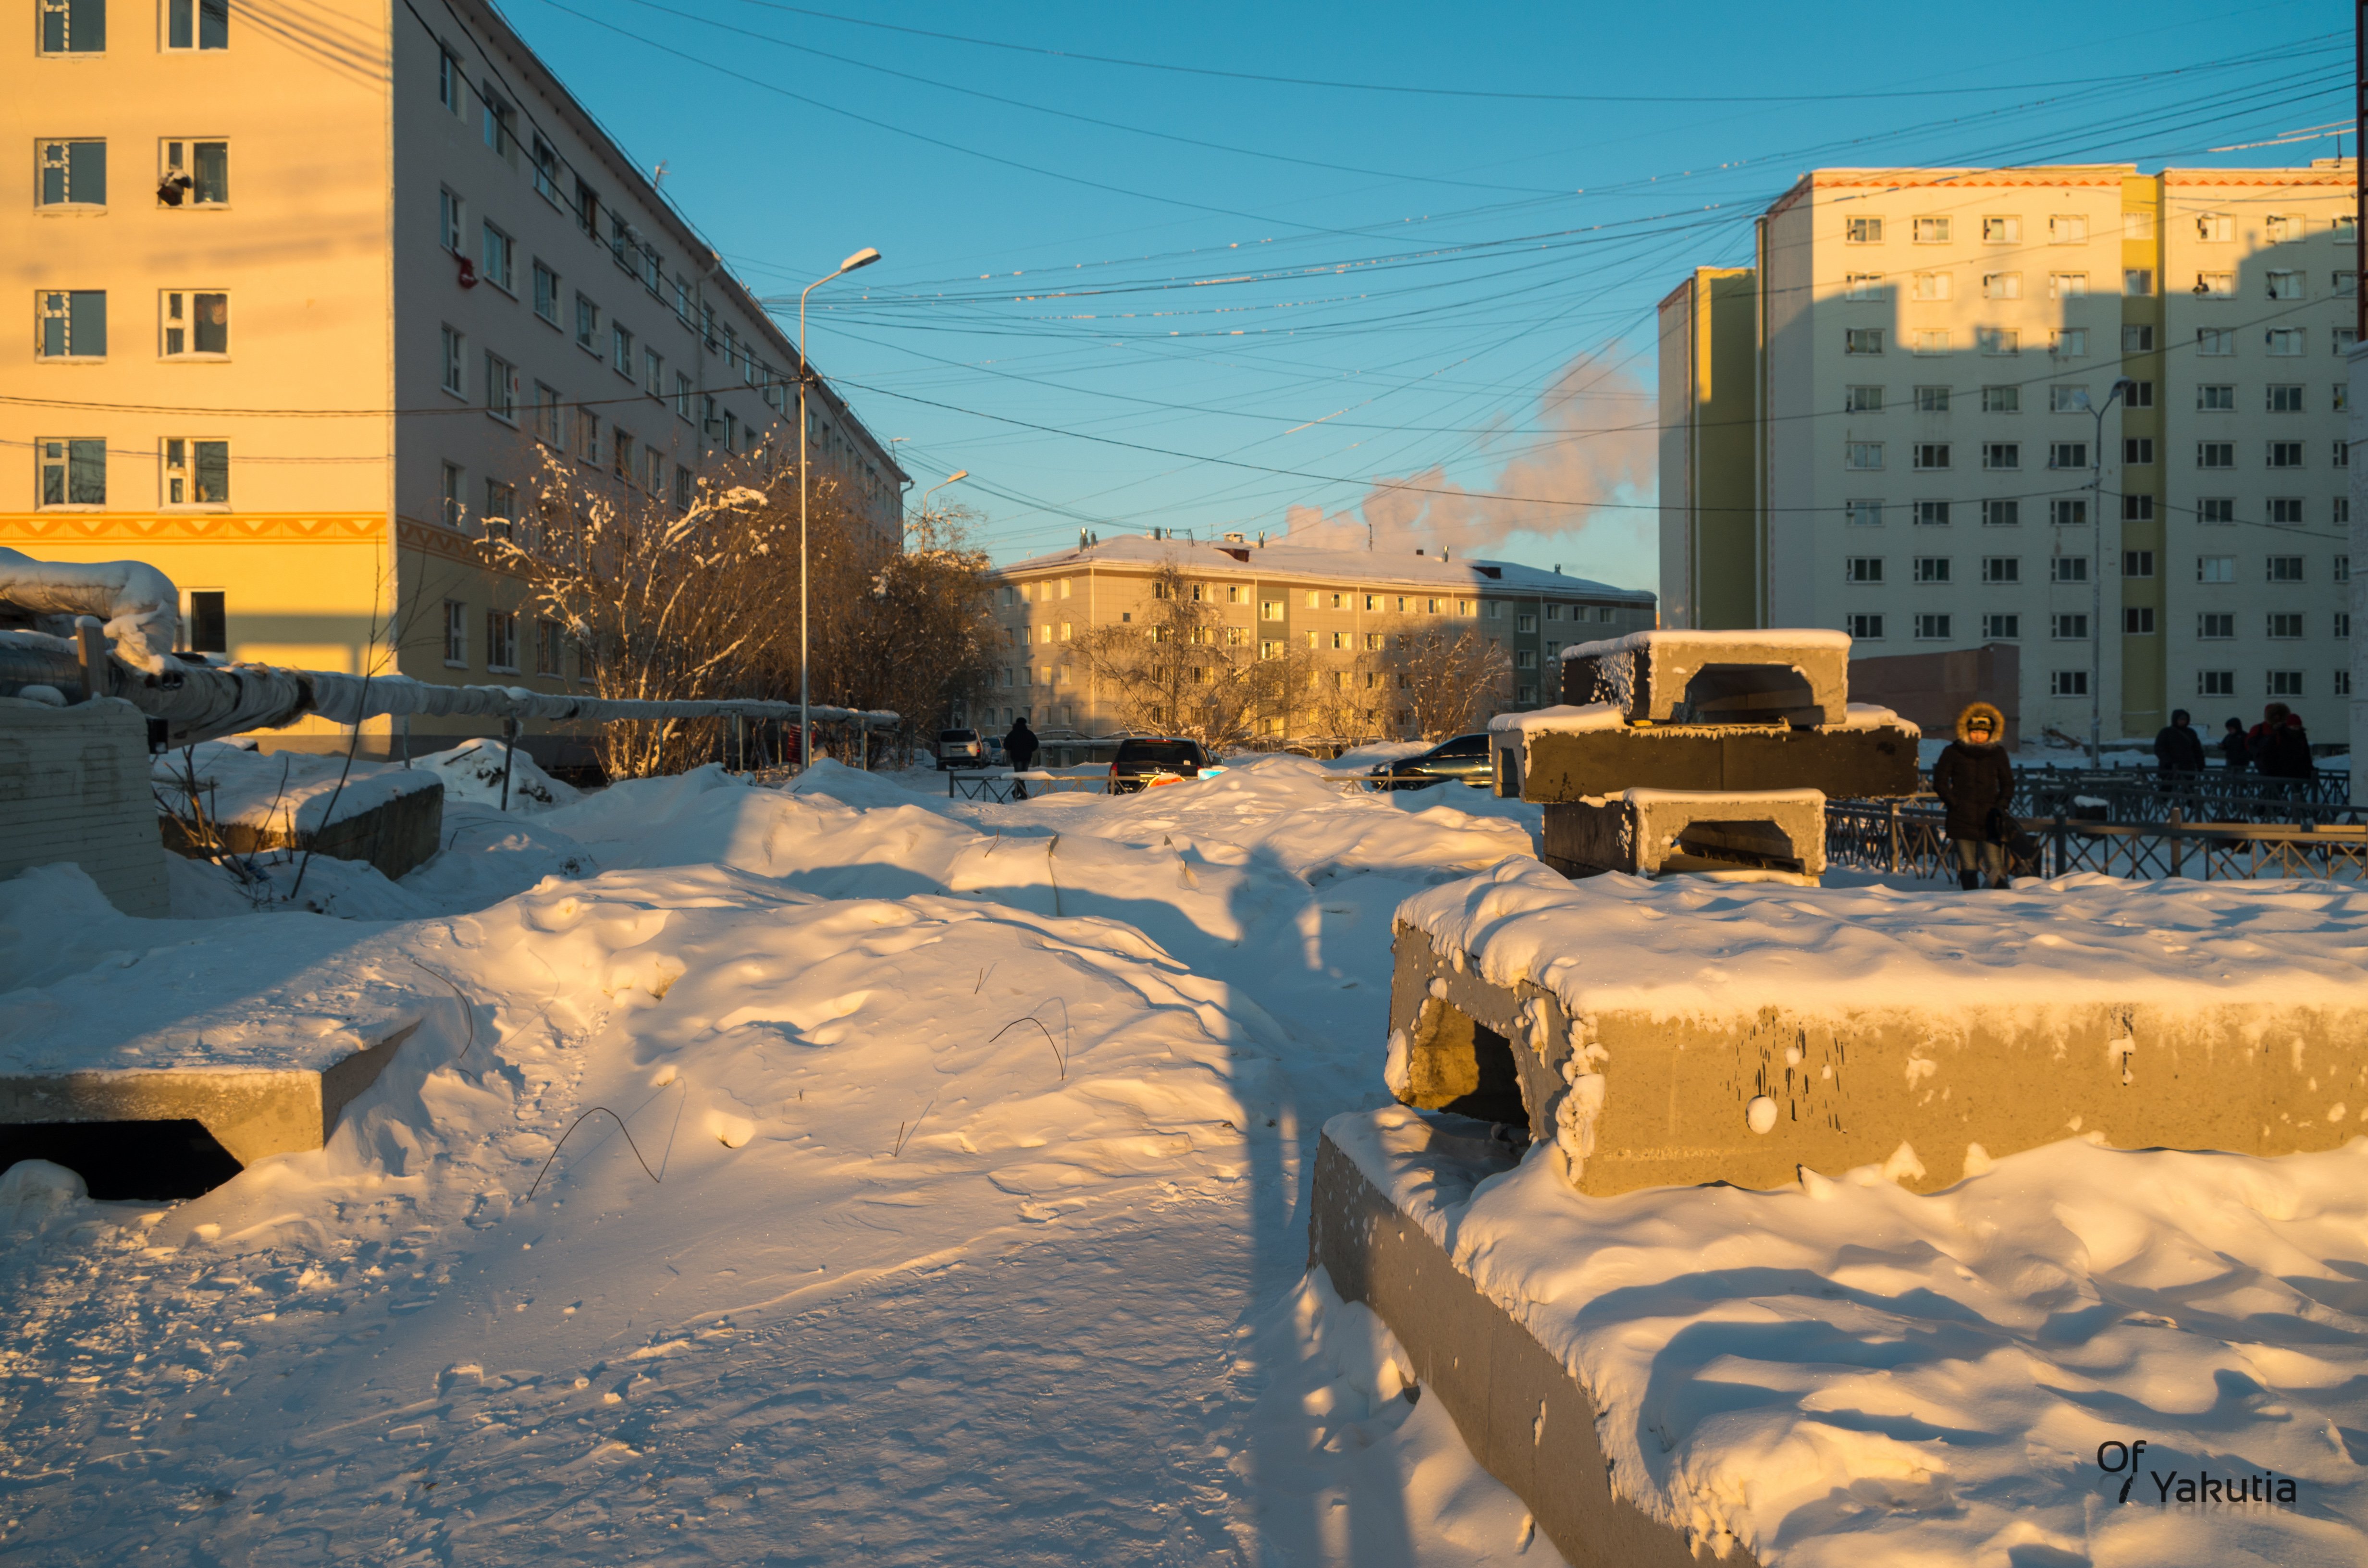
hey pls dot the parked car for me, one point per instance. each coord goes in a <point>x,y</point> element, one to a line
<point>1464,760</point>
<point>959,748</point>
<point>1144,760</point>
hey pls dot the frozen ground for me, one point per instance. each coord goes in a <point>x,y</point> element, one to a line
<point>842,1174</point>
<point>971,1228</point>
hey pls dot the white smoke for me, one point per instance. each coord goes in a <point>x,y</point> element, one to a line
<point>1595,442</point>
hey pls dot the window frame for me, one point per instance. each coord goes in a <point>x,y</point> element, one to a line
<point>71,316</point>
<point>68,204</point>
<point>190,470</point>
<point>165,298</point>
<point>67,459</point>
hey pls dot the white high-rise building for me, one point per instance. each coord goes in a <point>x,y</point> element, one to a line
<point>1888,426</point>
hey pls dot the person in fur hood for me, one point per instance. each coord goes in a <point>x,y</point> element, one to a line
<point>1975,782</point>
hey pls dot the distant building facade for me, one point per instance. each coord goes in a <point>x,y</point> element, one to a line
<point>305,307</point>
<point>1332,604</point>
<point>1883,428</point>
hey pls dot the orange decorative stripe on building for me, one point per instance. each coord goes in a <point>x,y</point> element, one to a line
<point>190,528</point>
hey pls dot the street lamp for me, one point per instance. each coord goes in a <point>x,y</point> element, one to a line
<point>932,490</point>
<point>863,257</point>
<point>2097,566</point>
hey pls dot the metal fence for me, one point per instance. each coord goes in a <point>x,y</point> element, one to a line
<point>2137,795</point>
<point>1909,838</point>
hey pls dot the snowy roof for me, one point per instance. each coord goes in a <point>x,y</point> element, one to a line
<point>1305,562</point>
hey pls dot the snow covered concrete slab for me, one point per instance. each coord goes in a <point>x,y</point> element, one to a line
<point>1869,754</point>
<point>1646,831</point>
<point>1843,1372</point>
<point>1799,676</point>
<point>389,815</point>
<point>1688,1031</point>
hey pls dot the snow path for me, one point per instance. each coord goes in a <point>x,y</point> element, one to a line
<point>917,1286</point>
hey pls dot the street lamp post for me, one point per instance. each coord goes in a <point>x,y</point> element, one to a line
<point>863,257</point>
<point>2097,570</point>
<point>957,474</point>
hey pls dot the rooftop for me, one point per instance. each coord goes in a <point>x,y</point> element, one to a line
<point>1307,563</point>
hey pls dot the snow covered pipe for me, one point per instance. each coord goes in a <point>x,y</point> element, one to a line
<point>138,604</point>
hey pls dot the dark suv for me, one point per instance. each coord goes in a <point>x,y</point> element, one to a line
<point>1464,760</point>
<point>1153,759</point>
<point>959,748</point>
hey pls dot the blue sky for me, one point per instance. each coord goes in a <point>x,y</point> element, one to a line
<point>1216,281</point>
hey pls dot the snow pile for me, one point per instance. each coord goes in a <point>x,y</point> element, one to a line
<point>1848,1373</point>
<point>472,772</point>
<point>1686,947</point>
<point>285,793</point>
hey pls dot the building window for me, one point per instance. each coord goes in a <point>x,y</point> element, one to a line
<point>2215,509</point>
<point>2065,399</point>
<point>2137,451</point>
<point>2137,508</point>
<point>1931,400</point>
<point>2215,683</point>
<point>74,27</point>
<point>2005,231</point>
<point>2001,568</point>
<point>1863,455</point>
<point>1926,455</point>
<point>2002,454</point>
<point>2343,228</point>
<point>196,24</point>
<point>2067,682</point>
<point>621,451</point>
<point>550,417</point>
<point>497,121</point>
<point>499,253</point>
<point>2215,626</point>
<point>2285,285</point>
<point>2345,340</point>
<point>74,471</point>
<point>501,508</point>
<point>546,293</point>
<point>2343,625</point>
<point>2286,510</point>
<point>1933,628</point>
<point>1929,286</point>
<point>1862,400</point>
<point>206,624</point>
<point>1865,628</point>
<point>456,362</point>
<point>2067,454</point>
<point>2001,285</point>
<point>621,349</point>
<point>1525,624</point>
<point>1862,230</point>
<point>2342,686</point>
<point>2137,620</point>
<point>195,326</point>
<point>2001,628</point>
<point>2215,285</point>
<point>2216,342</point>
<point>2285,454</point>
<point>2342,455</point>
<point>2284,568</point>
<point>2068,628</point>
<point>2138,564</point>
<point>2285,683</point>
<point>73,324</point>
<point>588,324</point>
<point>546,646</point>
<point>1930,341</point>
<point>2137,281</point>
<point>452,222</point>
<point>501,388</point>
<point>2001,400</point>
<point>1862,340</point>
<point>2285,342</point>
<point>2068,229</point>
<point>1999,341</point>
<point>1862,286</point>
<point>2068,285</point>
<point>74,174</point>
<point>455,504</point>
<point>1931,230</point>
<point>1863,514</point>
<point>1862,569</point>
<point>682,391</point>
<point>2068,343</point>
<point>2001,514</point>
<point>1931,514</point>
<point>2140,395</point>
<point>2215,399</point>
<point>197,473</point>
<point>2137,340</point>
<point>195,174</point>
<point>2216,454</point>
<point>2068,568</point>
<point>1933,569</point>
<point>2216,569</point>
<point>1273,611</point>
<point>2284,625</point>
<point>653,373</point>
<point>546,170</point>
<point>501,641</point>
<point>2068,511</point>
<point>456,634</point>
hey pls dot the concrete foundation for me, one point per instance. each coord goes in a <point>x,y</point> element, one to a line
<point>253,1112</point>
<point>1648,832</point>
<point>1525,1418</point>
<point>1715,677</point>
<point>1844,762</point>
<point>1849,1087</point>
<point>396,836</point>
<point>73,788</point>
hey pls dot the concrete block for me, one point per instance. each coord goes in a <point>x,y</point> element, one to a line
<point>1849,1086</point>
<point>1525,1418</point>
<point>73,789</point>
<point>397,833</point>
<point>1648,832</point>
<point>1795,676</point>
<point>1867,757</point>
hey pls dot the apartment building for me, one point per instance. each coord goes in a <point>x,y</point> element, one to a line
<point>313,295</point>
<point>1889,424</point>
<point>1334,604</point>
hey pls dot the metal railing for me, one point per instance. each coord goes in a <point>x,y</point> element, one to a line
<point>1910,839</point>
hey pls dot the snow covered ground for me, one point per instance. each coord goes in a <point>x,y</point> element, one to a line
<point>841,1173</point>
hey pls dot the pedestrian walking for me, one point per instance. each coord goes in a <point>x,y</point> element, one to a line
<point>2232,747</point>
<point>1975,782</point>
<point>2177,752</point>
<point>2281,746</point>
<point>1019,751</point>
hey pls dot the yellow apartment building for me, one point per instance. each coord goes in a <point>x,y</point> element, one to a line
<point>307,288</point>
<point>1886,425</point>
<point>1334,605</point>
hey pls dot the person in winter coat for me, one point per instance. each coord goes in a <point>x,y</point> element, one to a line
<point>2178,748</point>
<point>2281,746</point>
<point>2233,746</point>
<point>1019,751</point>
<point>1975,782</point>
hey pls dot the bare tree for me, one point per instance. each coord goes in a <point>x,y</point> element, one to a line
<point>1181,670</point>
<point>1446,681</point>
